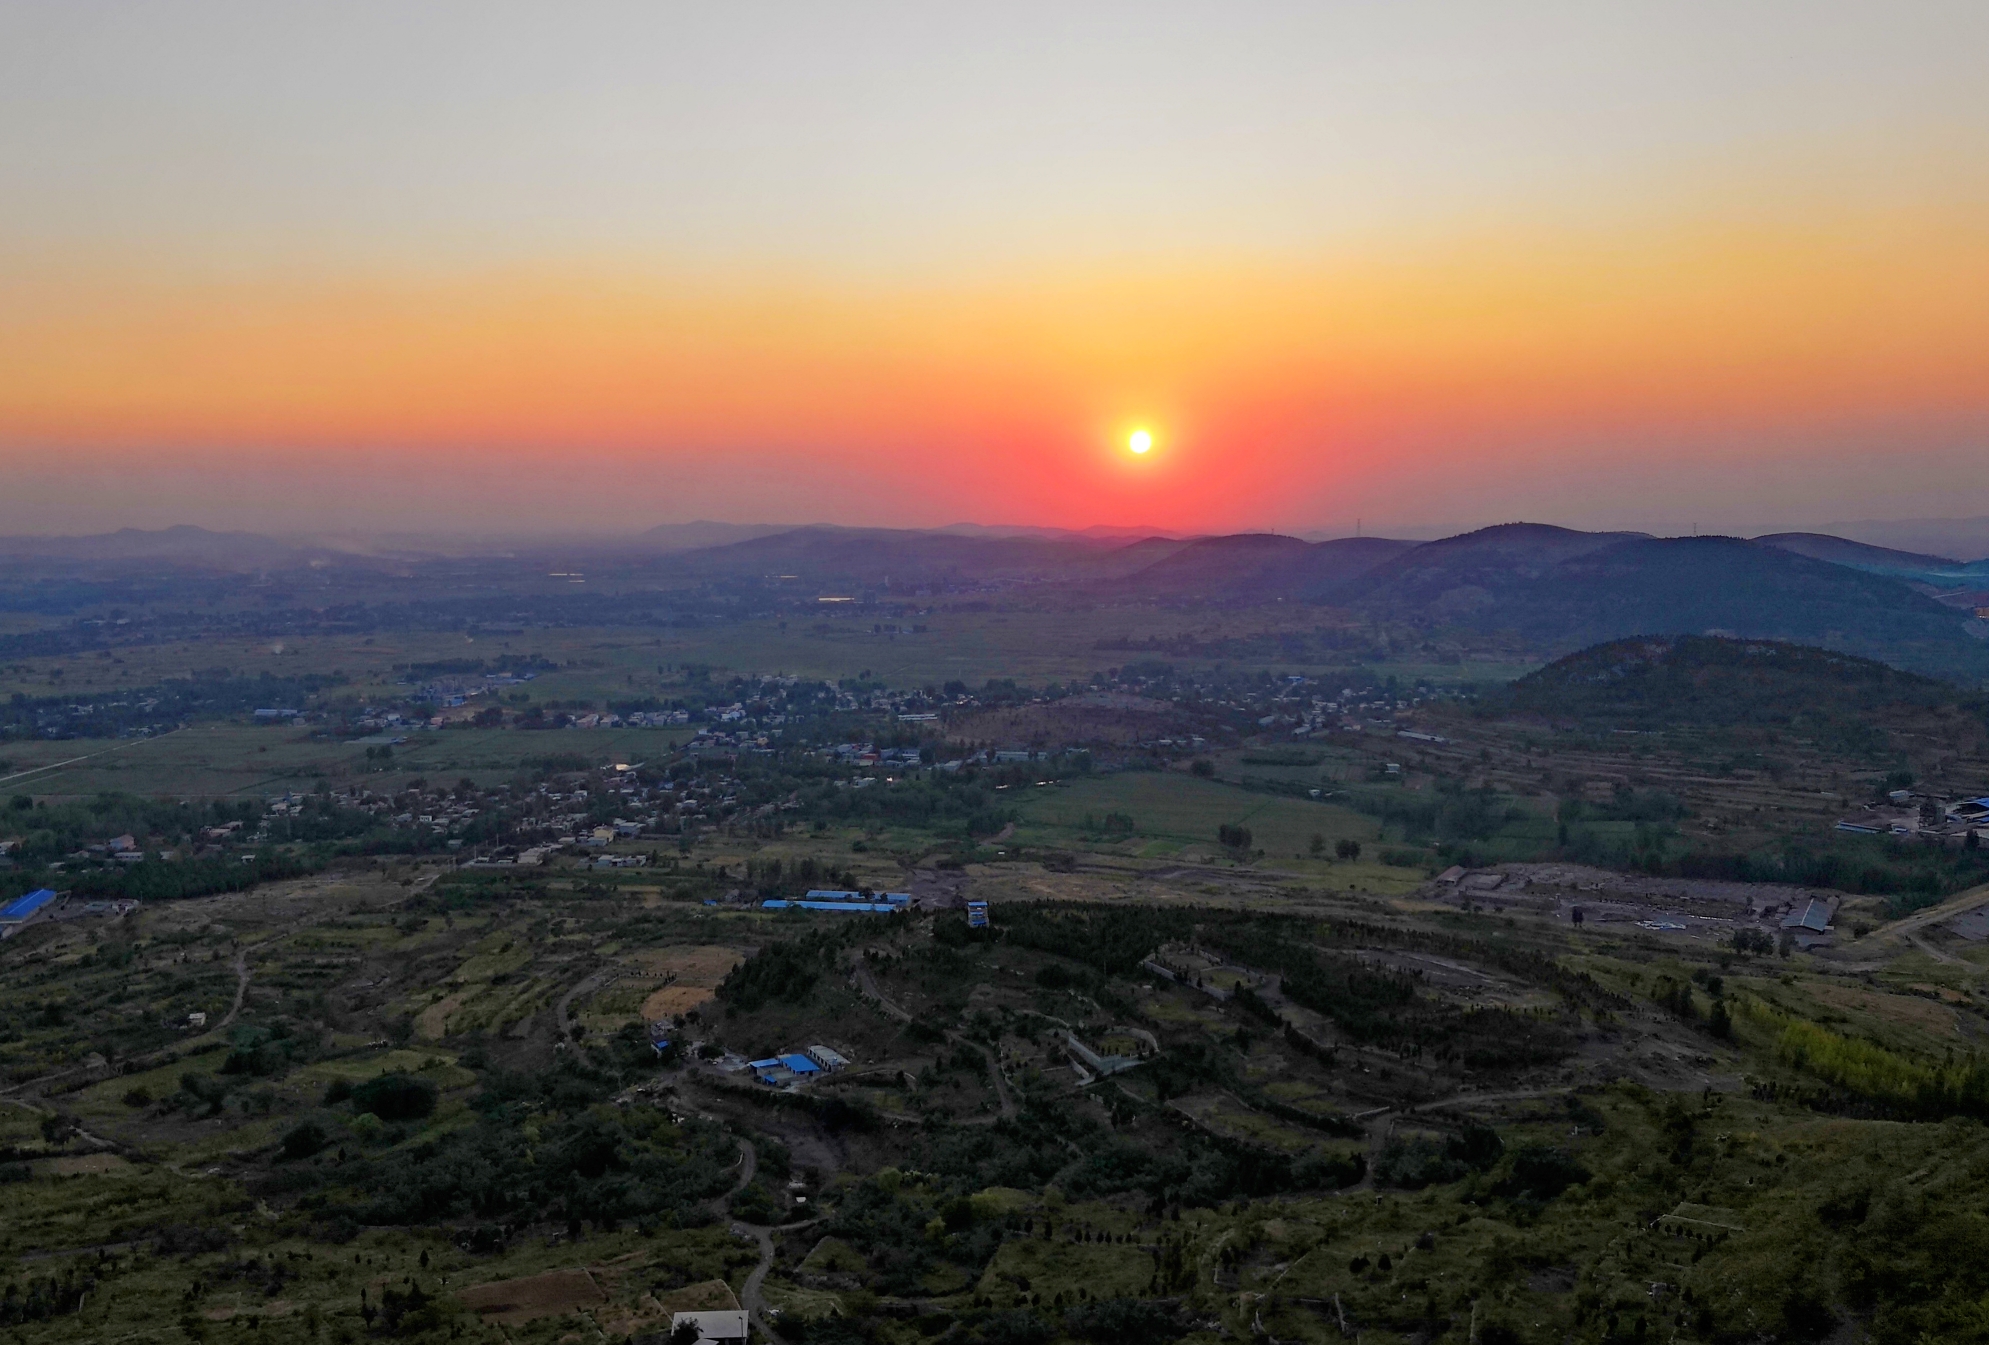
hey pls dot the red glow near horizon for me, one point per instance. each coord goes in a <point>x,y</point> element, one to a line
<point>1270,390</point>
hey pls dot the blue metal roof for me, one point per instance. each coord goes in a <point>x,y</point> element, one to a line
<point>20,908</point>
<point>800,1064</point>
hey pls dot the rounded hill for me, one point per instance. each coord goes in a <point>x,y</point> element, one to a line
<point>1707,681</point>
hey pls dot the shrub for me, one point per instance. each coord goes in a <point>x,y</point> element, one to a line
<point>1541,1172</point>
<point>395,1097</point>
<point>305,1140</point>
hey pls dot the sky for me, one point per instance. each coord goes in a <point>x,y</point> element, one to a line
<point>492,267</point>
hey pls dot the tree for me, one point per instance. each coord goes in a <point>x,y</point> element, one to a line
<point>1318,845</point>
<point>1347,848</point>
<point>395,1097</point>
<point>1233,838</point>
<point>305,1140</point>
<point>1752,942</point>
<point>1719,1022</point>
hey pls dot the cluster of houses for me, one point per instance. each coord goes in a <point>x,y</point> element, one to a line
<point>1926,816</point>
<point>796,1067</point>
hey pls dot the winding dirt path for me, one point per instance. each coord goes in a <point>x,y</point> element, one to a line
<point>563,1010</point>
<point>996,1080</point>
<point>750,1296</point>
<point>1948,959</point>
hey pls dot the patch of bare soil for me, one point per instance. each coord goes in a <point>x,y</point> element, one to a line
<point>706,1296</point>
<point>693,973</point>
<point>514,1302</point>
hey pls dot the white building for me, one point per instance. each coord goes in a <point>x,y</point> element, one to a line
<point>826,1058</point>
<point>726,1327</point>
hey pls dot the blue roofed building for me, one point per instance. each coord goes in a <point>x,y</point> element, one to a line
<point>860,907</point>
<point>24,910</point>
<point>841,894</point>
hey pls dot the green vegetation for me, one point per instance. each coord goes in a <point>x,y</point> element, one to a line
<point>1226,1062</point>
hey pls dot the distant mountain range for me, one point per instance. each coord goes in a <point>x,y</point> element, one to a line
<point>1956,537</point>
<point>1562,590</point>
<point>1557,589</point>
<point>182,544</point>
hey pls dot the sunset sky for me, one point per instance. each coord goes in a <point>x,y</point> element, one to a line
<point>491,267</point>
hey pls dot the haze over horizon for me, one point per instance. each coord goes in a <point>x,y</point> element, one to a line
<point>505,269</point>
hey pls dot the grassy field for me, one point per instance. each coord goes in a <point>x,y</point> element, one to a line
<point>221,759</point>
<point>456,985</point>
<point>1176,815</point>
<point>1032,646</point>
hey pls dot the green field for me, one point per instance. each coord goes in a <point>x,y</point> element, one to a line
<point>220,759</point>
<point>1175,815</point>
<point>1033,647</point>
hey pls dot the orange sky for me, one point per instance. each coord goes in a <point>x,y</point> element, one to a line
<point>1279,391</point>
<point>1428,265</point>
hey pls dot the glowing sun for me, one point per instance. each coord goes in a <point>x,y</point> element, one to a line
<point>1139,441</point>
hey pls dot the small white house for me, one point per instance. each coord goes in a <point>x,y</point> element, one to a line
<point>828,1059</point>
<point>726,1327</point>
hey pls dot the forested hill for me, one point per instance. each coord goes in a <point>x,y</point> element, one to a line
<point>1707,682</point>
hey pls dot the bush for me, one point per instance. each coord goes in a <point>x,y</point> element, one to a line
<point>1124,1321</point>
<point>1541,1172</point>
<point>756,1205</point>
<point>395,1097</point>
<point>1325,1171</point>
<point>305,1140</point>
<point>1416,1162</point>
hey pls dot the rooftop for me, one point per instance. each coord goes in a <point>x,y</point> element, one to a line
<point>20,908</point>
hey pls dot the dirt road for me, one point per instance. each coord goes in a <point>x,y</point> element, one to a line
<point>868,985</point>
